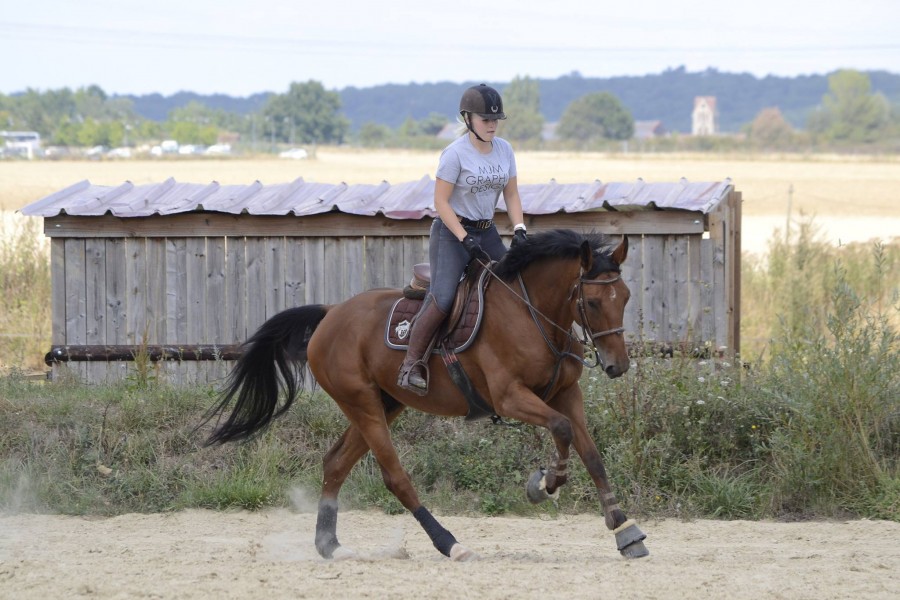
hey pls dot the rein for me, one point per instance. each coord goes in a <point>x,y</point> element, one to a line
<point>588,336</point>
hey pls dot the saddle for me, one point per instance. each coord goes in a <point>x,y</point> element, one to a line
<point>462,324</point>
<point>455,335</point>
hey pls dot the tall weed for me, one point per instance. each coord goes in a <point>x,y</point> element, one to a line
<point>839,445</point>
<point>24,293</point>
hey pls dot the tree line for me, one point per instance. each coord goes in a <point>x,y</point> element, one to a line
<point>849,113</point>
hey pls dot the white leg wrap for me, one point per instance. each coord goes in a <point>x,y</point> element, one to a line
<point>623,526</point>
<point>543,486</point>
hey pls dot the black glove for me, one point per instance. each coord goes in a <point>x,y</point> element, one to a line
<point>475,251</point>
<point>519,236</point>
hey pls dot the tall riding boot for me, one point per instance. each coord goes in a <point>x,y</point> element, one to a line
<point>414,370</point>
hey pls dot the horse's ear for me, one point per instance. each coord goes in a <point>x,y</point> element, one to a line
<point>621,252</point>
<point>587,256</point>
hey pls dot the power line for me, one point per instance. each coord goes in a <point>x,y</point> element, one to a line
<point>167,39</point>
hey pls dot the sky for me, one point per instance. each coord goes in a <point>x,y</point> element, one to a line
<point>240,47</point>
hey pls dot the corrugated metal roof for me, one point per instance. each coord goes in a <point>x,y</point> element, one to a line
<point>411,200</point>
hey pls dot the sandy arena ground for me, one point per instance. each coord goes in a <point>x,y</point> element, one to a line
<point>204,554</point>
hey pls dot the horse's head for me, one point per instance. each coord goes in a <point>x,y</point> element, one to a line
<point>601,299</point>
<point>591,268</point>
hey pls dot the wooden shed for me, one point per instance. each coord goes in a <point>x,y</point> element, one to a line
<point>181,273</point>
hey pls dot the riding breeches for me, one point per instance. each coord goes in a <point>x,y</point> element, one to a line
<point>448,259</point>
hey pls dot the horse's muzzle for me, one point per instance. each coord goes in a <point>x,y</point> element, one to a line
<point>613,371</point>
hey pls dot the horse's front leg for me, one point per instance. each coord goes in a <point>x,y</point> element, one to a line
<point>629,538</point>
<point>544,483</point>
<point>521,404</point>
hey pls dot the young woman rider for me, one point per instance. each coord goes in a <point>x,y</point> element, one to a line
<point>472,172</point>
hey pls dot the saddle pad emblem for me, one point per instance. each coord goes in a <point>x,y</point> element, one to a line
<point>398,326</point>
<point>402,329</point>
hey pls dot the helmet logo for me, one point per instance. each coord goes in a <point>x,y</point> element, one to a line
<point>495,108</point>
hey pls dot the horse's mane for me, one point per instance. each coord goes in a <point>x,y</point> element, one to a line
<point>556,243</point>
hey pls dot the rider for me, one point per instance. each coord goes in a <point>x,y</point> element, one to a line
<point>472,172</point>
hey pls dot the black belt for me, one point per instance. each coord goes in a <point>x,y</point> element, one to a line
<point>482,224</point>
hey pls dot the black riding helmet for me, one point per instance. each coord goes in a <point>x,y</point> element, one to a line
<point>482,100</point>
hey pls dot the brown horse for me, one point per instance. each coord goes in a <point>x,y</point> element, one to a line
<point>525,362</point>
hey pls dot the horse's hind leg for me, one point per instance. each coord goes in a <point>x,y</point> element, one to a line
<point>337,464</point>
<point>373,427</point>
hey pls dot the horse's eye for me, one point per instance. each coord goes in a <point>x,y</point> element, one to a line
<point>593,303</point>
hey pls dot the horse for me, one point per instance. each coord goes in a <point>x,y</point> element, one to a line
<point>525,362</point>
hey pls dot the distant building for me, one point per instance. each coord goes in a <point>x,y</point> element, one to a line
<point>644,130</point>
<point>705,118</point>
<point>21,143</point>
<point>450,131</point>
<point>548,131</point>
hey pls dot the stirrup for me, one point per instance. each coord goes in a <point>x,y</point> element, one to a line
<point>405,378</point>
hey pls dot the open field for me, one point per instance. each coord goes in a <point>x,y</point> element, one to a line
<point>852,198</point>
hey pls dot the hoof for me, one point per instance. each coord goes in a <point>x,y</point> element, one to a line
<point>536,488</point>
<point>635,550</point>
<point>459,553</point>
<point>630,540</point>
<point>341,553</point>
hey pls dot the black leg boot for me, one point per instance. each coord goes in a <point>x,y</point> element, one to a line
<point>413,371</point>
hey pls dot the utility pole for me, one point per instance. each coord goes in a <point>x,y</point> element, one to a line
<point>787,225</point>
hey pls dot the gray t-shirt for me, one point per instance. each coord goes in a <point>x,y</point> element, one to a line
<point>478,179</point>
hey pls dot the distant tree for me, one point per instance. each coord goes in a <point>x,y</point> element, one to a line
<point>197,112</point>
<point>770,128</point>
<point>307,113</point>
<point>100,133</point>
<point>66,134</point>
<point>522,105</point>
<point>409,129</point>
<point>433,124</point>
<point>193,111</point>
<point>40,112</point>
<point>850,112</point>
<point>195,123</point>
<point>596,116</point>
<point>148,130</point>
<point>89,103</point>
<point>374,135</point>
<point>188,132</point>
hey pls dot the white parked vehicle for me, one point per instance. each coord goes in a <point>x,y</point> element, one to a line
<point>295,153</point>
<point>119,153</point>
<point>218,149</point>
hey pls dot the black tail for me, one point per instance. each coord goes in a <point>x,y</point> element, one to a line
<point>272,363</point>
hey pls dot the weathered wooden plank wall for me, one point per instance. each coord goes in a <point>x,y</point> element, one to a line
<point>158,281</point>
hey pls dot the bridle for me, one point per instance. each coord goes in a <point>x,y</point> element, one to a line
<point>585,324</point>
<point>588,337</point>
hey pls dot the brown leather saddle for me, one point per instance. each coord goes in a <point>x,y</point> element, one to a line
<point>455,335</point>
<point>461,326</point>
